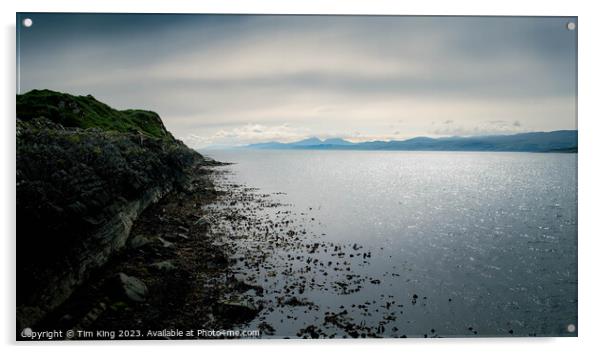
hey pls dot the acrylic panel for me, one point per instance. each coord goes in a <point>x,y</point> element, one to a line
<point>205,176</point>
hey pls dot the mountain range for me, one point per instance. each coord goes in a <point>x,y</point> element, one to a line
<point>554,141</point>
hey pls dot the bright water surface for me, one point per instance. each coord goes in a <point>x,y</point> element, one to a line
<point>490,239</point>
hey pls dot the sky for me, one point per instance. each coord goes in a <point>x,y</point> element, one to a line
<point>229,80</point>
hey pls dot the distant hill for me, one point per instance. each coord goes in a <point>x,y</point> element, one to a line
<point>555,141</point>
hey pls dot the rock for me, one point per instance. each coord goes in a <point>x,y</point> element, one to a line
<point>294,301</point>
<point>181,235</point>
<point>164,266</point>
<point>28,316</point>
<point>131,287</point>
<point>138,241</point>
<point>266,329</point>
<point>183,229</point>
<point>165,243</point>
<point>92,315</point>
<point>77,208</point>
<point>311,330</point>
<point>240,283</point>
<point>217,261</point>
<point>202,222</point>
<point>237,310</point>
<point>83,177</point>
<point>66,320</point>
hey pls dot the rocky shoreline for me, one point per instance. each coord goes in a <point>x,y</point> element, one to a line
<point>111,232</point>
<point>201,258</point>
<point>170,276</point>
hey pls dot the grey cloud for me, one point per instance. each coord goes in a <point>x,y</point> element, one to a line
<point>209,73</point>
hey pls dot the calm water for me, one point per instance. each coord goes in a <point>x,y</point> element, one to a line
<point>487,241</point>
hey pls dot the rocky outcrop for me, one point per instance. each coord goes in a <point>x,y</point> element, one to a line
<point>79,191</point>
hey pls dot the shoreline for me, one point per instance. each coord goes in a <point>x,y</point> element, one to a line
<point>171,252</point>
<point>205,256</point>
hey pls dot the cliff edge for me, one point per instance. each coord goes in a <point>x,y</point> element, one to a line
<point>85,172</point>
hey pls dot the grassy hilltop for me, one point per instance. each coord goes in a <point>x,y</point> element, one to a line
<point>86,112</point>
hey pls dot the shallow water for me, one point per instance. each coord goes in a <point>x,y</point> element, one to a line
<point>458,243</point>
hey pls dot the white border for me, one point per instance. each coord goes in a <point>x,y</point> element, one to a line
<point>589,170</point>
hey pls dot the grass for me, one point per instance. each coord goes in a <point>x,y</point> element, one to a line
<point>87,112</point>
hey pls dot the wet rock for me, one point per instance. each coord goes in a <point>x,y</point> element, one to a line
<point>242,285</point>
<point>165,266</point>
<point>183,229</point>
<point>165,243</point>
<point>217,261</point>
<point>176,236</point>
<point>294,301</point>
<point>138,241</point>
<point>237,310</point>
<point>77,208</point>
<point>202,222</point>
<point>266,329</point>
<point>92,315</point>
<point>28,316</point>
<point>130,287</point>
<point>311,331</point>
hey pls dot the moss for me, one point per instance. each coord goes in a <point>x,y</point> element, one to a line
<point>87,112</point>
<point>74,138</point>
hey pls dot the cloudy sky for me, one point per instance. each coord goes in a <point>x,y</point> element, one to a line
<point>230,80</point>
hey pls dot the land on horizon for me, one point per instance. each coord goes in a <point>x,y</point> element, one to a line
<point>554,141</point>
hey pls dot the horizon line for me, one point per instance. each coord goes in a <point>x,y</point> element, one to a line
<point>414,137</point>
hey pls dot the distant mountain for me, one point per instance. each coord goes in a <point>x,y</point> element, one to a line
<point>555,141</point>
<point>310,143</point>
<point>307,142</point>
<point>336,141</point>
<point>269,145</point>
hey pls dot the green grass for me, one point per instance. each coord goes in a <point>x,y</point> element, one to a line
<point>87,112</point>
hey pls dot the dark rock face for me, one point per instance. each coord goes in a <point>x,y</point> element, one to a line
<point>78,193</point>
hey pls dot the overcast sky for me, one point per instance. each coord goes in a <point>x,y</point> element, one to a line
<point>230,80</point>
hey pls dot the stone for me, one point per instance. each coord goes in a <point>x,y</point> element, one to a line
<point>202,222</point>
<point>237,310</point>
<point>138,241</point>
<point>240,283</point>
<point>163,266</point>
<point>165,243</point>
<point>131,287</point>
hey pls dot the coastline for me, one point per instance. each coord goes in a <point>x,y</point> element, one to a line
<point>171,251</point>
<point>110,206</point>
